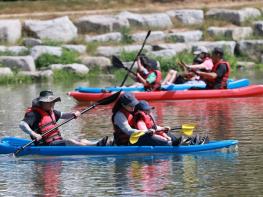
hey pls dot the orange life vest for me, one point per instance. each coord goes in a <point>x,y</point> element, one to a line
<point>120,137</point>
<point>156,85</point>
<point>223,82</point>
<point>47,122</point>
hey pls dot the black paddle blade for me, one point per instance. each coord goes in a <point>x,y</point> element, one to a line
<point>109,99</point>
<point>117,62</point>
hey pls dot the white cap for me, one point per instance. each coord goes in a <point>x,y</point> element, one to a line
<point>200,50</point>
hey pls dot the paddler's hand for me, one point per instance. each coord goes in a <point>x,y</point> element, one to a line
<point>166,128</point>
<point>37,136</point>
<point>150,132</point>
<point>77,114</point>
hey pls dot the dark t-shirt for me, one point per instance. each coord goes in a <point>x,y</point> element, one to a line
<point>221,70</point>
<point>33,118</point>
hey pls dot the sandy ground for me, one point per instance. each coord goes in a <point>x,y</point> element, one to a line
<point>153,7</point>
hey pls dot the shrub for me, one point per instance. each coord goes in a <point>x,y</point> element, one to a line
<point>67,57</point>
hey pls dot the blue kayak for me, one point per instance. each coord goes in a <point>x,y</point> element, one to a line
<point>11,144</point>
<point>232,84</point>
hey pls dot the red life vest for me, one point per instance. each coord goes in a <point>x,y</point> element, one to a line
<point>148,120</point>
<point>223,82</point>
<point>47,122</point>
<point>156,85</point>
<point>120,137</point>
<point>142,116</point>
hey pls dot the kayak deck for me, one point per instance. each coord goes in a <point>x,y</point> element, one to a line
<point>10,145</point>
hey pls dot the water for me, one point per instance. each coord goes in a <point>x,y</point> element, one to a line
<point>223,173</point>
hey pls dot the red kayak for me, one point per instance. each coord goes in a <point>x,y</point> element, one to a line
<point>252,90</point>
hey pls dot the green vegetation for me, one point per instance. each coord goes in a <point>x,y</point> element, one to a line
<point>10,53</point>
<point>67,57</point>
<point>16,79</point>
<point>126,35</point>
<point>49,42</point>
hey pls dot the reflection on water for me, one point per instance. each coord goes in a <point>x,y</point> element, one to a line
<point>124,175</point>
<point>201,174</point>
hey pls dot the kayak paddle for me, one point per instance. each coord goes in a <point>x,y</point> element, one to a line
<point>186,129</point>
<point>138,54</point>
<point>118,63</point>
<point>104,101</point>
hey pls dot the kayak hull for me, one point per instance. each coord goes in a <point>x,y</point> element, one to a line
<point>15,143</point>
<point>252,90</point>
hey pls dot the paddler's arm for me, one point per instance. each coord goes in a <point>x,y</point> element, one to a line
<point>141,79</point>
<point>206,75</point>
<point>26,128</point>
<point>68,115</point>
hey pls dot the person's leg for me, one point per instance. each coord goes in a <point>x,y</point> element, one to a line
<point>148,140</point>
<point>167,79</point>
<point>173,76</point>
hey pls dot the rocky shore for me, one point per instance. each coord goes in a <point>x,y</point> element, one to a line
<point>238,31</point>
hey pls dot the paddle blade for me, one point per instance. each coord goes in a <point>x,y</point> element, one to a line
<point>135,136</point>
<point>187,129</point>
<point>117,62</point>
<point>109,99</point>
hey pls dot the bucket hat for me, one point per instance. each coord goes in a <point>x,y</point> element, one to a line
<point>128,99</point>
<point>47,96</point>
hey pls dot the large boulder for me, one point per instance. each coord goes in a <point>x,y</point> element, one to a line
<point>23,63</point>
<point>234,16</point>
<point>251,48</point>
<point>59,29</point>
<point>155,36</point>
<point>14,50</point>
<point>258,28</point>
<point>163,53</point>
<point>31,42</point>
<point>75,68</point>
<point>5,71</point>
<point>177,47</point>
<point>92,62</point>
<point>232,33</point>
<point>101,23</point>
<point>10,30</point>
<point>114,36</point>
<point>186,36</point>
<point>154,20</point>
<point>227,46</point>
<point>108,51</point>
<point>78,48</point>
<point>187,16</point>
<point>37,51</point>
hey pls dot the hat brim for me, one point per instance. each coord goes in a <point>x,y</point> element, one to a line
<point>197,52</point>
<point>148,108</point>
<point>49,99</point>
<point>133,103</point>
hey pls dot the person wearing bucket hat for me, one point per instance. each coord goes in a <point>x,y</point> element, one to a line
<point>201,61</point>
<point>151,81</point>
<point>42,117</point>
<point>218,76</point>
<point>124,123</point>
